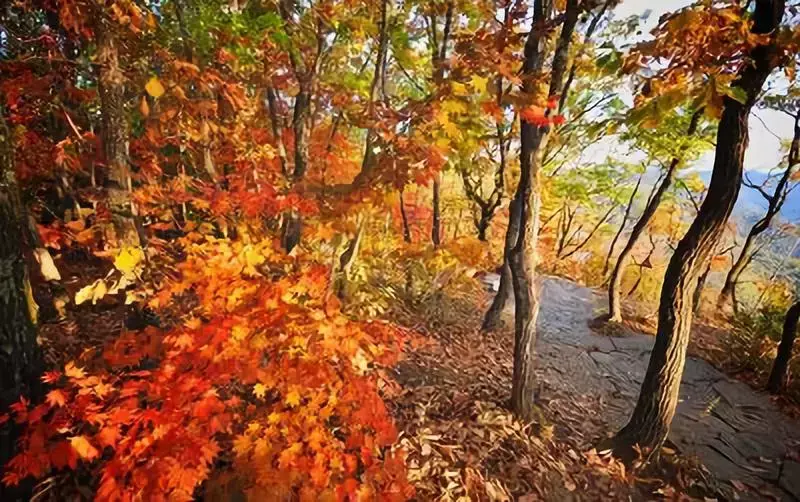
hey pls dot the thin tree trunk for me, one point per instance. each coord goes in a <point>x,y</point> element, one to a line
<point>774,205</point>
<point>347,259</point>
<point>291,231</point>
<point>436,230</point>
<point>404,216</point>
<point>593,231</point>
<point>650,422</point>
<point>615,284</point>
<point>523,256</point>
<point>20,355</point>
<point>504,290</point>
<point>377,91</point>
<point>622,225</point>
<point>438,57</point>
<point>778,375</point>
<point>115,137</point>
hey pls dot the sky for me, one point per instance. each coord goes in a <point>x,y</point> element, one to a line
<point>766,126</point>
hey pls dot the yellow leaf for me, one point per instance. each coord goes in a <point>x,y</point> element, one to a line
<point>479,83</point>
<point>72,371</point>
<point>84,448</point>
<point>86,292</point>
<point>293,398</point>
<point>454,107</point>
<point>100,291</point>
<point>128,259</point>
<point>260,390</point>
<point>459,89</point>
<point>46,264</point>
<point>154,87</point>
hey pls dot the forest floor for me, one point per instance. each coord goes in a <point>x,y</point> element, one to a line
<point>451,406</point>
<point>452,409</point>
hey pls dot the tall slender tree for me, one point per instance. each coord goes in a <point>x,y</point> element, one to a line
<point>522,256</point>
<point>615,283</point>
<point>651,419</point>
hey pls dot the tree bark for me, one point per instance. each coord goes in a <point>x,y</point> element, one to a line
<point>20,355</point>
<point>305,74</point>
<point>650,422</point>
<point>523,255</point>
<point>774,205</point>
<point>404,216</point>
<point>436,230</point>
<point>115,136</point>
<point>615,283</point>
<point>778,375</point>
<point>504,290</point>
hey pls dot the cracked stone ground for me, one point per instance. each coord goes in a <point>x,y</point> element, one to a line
<point>734,430</point>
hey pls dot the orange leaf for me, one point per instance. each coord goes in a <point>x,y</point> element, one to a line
<point>73,371</point>
<point>56,398</point>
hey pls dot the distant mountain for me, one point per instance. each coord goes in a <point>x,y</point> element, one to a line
<point>751,205</point>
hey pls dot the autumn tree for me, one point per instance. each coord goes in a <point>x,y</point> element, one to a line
<point>534,133</point>
<point>664,183</point>
<point>652,416</point>
<point>535,88</point>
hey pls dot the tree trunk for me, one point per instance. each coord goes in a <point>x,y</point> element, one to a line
<point>774,205</point>
<point>436,230</point>
<point>115,137</point>
<point>20,355</point>
<point>778,375</point>
<point>621,229</point>
<point>652,417</point>
<point>504,290</point>
<point>483,225</point>
<point>377,91</point>
<point>404,216</point>
<point>615,283</point>
<point>698,291</point>
<point>523,255</point>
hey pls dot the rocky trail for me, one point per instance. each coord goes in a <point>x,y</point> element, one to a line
<point>735,431</point>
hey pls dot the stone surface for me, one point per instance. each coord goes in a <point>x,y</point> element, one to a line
<point>739,435</point>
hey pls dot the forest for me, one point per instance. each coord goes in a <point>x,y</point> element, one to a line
<point>358,250</point>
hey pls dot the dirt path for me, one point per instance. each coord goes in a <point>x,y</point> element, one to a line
<point>736,432</point>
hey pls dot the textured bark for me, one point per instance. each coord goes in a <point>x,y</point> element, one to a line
<point>775,202</point>
<point>436,227</point>
<point>115,136</point>
<point>305,74</point>
<point>777,377</point>
<point>20,354</point>
<point>523,255</point>
<point>276,121</point>
<point>505,289</point>
<point>404,216</point>
<point>438,57</point>
<point>650,422</point>
<point>615,283</point>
